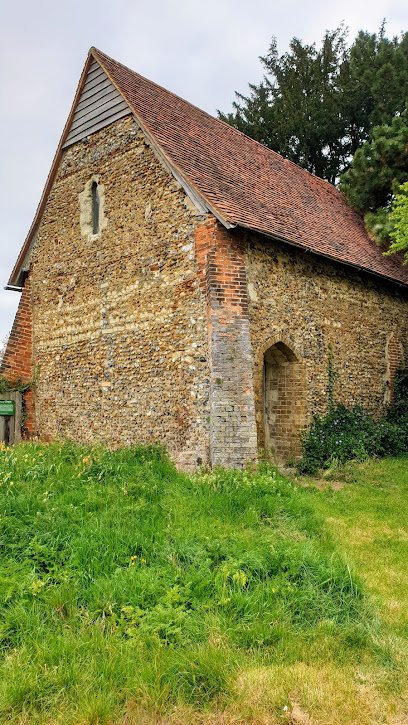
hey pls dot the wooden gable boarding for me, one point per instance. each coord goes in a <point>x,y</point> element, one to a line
<point>99,105</point>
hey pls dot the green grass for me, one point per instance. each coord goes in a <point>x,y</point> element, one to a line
<point>368,519</point>
<point>130,593</point>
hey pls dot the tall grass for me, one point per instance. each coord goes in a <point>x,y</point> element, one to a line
<point>123,581</point>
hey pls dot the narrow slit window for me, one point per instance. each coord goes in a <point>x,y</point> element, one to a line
<point>95,208</point>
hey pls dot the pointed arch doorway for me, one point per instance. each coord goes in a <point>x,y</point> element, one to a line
<point>284,401</point>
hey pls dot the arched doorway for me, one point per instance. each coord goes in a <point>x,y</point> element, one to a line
<point>284,401</point>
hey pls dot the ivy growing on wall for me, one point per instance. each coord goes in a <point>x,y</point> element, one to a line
<point>7,386</point>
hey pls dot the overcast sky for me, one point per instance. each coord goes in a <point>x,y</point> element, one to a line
<point>202,50</point>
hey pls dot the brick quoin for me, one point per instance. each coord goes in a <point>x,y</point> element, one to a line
<point>221,273</point>
<point>17,361</point>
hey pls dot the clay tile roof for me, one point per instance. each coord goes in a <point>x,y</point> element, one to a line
<point>249,185</point>
<point>241,181</point>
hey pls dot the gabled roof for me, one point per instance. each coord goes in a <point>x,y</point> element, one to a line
<point>238,179</point>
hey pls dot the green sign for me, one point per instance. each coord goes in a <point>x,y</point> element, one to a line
<point>6,407</point>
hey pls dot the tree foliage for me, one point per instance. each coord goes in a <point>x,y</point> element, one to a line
<point>317,106</point>
<point>375,176</point>
<point>378,167</point>
<point>3,347</point>
<point>399,222</point>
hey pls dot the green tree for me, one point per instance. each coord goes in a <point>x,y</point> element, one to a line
<point>374,81</point>
<point>376,172</point>
<point>297,108</point>
<point>317,106</point>
<point>399,222</point>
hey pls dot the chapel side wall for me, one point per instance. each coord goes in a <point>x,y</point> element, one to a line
<point>119,319</point>
<point>310,304</point>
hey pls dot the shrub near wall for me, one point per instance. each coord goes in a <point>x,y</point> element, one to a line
<point>344,434</point>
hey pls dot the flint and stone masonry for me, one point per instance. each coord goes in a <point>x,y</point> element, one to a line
<point>119,320</point>
<point>300,306</point>
<point>164,326</point>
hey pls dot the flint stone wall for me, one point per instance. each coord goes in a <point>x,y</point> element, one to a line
<point>309,303</point>
<point>119,319</point>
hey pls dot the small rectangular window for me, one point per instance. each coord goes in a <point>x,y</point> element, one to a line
<point>95,208</point>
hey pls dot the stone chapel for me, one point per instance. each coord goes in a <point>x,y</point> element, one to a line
<point>183,284</point>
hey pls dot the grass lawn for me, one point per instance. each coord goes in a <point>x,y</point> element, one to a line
<point>368,520</point>
<point>130,593</point>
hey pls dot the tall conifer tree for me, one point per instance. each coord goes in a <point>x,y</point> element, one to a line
<point>317,106</point>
